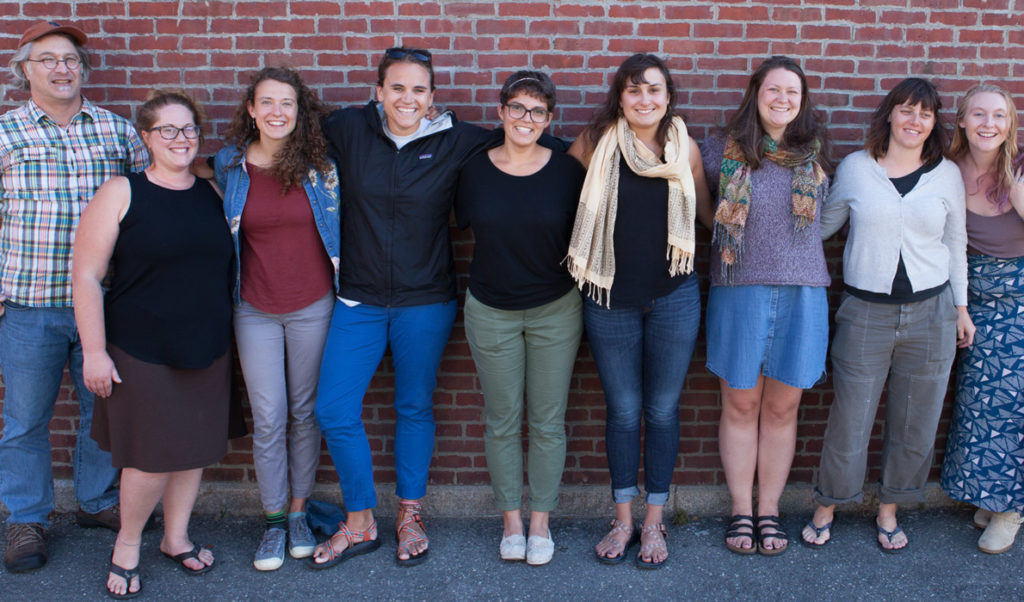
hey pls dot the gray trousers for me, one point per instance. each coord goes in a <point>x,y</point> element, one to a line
<point>532,350</point>
<point>913,345</point>
<point>280,358</point>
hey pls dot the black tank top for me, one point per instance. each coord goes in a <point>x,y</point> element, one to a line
<point>170,294</point>
<point>641,241</point>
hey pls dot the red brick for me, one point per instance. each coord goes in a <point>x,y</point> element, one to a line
<point>578,10</point>
<point>46,10</point>
<point>315,9</point>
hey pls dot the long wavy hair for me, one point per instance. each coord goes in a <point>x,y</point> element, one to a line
<point>305,147</point>
<point>802,135</point>
<point>911,91</point>
<point>631,71</point>
<point>1010,158</point>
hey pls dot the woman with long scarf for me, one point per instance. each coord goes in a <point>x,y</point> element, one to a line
<point>642,307</point>
<point>767,322</point>
<point>983,464</point>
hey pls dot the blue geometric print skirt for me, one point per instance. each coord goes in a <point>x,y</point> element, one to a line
<point>984,463</point>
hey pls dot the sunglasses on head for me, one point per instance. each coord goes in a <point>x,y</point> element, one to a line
<point>400,53</point>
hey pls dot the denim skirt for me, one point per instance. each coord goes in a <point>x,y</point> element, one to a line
<point>778,331</point>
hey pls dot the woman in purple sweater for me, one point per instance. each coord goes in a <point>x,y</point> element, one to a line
<point>767,317</point>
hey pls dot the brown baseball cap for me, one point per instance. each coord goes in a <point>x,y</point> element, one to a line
<point>45,28</point>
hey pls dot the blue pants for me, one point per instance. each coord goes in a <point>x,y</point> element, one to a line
<point>35,344</point>
<point>355,345</point>
<point>642,355</point>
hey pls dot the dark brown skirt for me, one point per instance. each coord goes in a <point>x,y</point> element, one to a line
<point>162,419</point>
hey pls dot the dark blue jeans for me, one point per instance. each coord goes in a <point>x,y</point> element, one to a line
<point>642,356</point>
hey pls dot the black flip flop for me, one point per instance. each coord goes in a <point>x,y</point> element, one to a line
<point>180,559</point>
<point>889,535</point>
<point>127,575</point>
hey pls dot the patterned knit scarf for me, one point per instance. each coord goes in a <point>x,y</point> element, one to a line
<point>734,195</point>
<point>591,259</point>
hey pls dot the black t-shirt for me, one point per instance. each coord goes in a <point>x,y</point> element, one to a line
<point>522,226</point>
<point>901,290</point>
<point>641,241</point>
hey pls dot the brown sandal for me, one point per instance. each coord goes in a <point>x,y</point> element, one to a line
<point>410,530</point>
<point>657,532</point>
<point>617,527</point>
<point>356,543</point>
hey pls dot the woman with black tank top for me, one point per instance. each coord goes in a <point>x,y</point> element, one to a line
<point>982,465</point>
<point>904,310</point>
<point>642,310</point>
<point>157,345</point>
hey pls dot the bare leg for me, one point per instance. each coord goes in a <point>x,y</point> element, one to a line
<point>513,522</point>
<point>179,499</point>
<point>737,443</point>
<point>298,504</point>
<point>775,448</point>
<point>140,491</point>
<point>539,524</point>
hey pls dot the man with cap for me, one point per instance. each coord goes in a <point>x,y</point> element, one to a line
<point>55,151</point>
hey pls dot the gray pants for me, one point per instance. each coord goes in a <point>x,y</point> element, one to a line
<point>532,350</point>
<point>280,358</point>
<point>912,344</point>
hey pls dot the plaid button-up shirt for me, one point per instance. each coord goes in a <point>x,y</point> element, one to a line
<point>47,175</point>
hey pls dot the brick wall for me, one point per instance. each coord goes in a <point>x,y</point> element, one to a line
<point>852,50</point>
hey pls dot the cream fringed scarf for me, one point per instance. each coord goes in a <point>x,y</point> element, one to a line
<point>591,259</point>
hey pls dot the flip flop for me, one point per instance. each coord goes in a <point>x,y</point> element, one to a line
<point>127,575</point>
<point>352,548</point>
<point>817,533</point>
<point>889,535</point>
<point>180,559</point>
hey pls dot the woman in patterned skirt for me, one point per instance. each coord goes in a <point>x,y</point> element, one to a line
<point>984,454</point>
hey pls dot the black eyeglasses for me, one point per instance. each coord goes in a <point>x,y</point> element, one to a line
<point>170,132</point>
<point>400,53</point>
<point>537,114</point>
<point>71,62</point>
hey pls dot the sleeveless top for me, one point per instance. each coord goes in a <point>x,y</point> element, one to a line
<point>170,293</point>
<point>995,235</point>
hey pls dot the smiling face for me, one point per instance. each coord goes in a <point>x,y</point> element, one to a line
<point>645,104</point>
<point>910,126</point>
<point>406,96</point>
<point>275,109</point>
<point>986,122</point>
<point>778,101</point>
<point>59,86</point>
<point>522,131</point>
<point>171,154</point>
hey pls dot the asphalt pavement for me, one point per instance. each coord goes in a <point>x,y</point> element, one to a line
<point>942,562</point>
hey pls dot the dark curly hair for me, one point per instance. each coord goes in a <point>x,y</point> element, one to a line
<point>305,148</point>
<point>806,131</point>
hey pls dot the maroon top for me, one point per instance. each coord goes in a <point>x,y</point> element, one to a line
<point>284,264</point>
<point>996,235</point>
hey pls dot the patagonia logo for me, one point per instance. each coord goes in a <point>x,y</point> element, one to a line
<point>427,156</point>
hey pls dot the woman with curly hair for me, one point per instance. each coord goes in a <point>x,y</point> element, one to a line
<point>281,199</point>
<point>767,322</point>
<point>984,453</point>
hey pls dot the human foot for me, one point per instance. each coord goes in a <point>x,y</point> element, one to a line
<point>818,530</point>
<point>739,537</point>
<point>194,561</point>
<point>329,553</point>
<point>653,551</point>
<point>123,583</point>
<point>771,539</point>
<point>410,534</point>
<point>612,547</point>
<point>891,537</point>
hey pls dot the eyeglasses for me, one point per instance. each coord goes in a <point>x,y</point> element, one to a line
<point>400,53</point>
<point>537,114</point>
<point>71,62</point>
<point>170,132</point>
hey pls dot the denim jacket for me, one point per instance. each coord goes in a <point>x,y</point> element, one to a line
<point>322,189</point>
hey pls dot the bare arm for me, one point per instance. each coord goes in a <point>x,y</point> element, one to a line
<point>94,244</point>
<point>582,150</point>
<point>1017,193</point>
<point>705,210</point>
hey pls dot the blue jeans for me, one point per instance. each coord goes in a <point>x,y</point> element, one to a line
<point>355,345</point>
<point>642,356</point>
<point>35,344</point>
